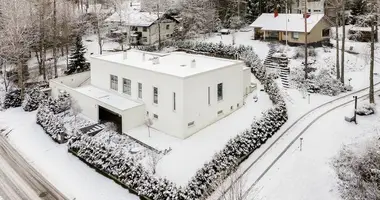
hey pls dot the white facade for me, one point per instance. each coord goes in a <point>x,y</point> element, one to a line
<point>179,92</point>
<point>313,6</point>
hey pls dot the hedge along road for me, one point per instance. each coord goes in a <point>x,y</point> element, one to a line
<point>19,180</point>
<point>261,161</point>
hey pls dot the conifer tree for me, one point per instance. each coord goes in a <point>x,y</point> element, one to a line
<point>77,61</point>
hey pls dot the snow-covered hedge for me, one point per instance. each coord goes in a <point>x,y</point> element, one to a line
<point>32,100</point>
<point>51,123</point>
<point>12,99</point>
<point>207,179</point>
<point>48,118</point>
<point>322,82</point>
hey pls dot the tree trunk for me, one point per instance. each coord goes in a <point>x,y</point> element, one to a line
<point>20,74</point>
<point>343,41</point>
<point>67,55</point>
<point>39,62</point>
<point>159,26</point>
<point>55,38</point>
<point>372,63</point>
<point>337,46</point>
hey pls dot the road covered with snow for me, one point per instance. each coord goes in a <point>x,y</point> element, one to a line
<point>19,180</point>
<point>66,172</point>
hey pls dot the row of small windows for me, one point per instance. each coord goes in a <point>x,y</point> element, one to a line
<point>127,85</point>
<point>145,29</point>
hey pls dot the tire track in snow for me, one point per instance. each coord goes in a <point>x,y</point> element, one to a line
<point>300,119</point>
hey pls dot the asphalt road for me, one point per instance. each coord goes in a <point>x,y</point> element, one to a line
<point>19,180</point>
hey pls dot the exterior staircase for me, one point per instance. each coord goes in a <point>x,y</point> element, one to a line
<point>92,129</point>
<point>280,64</point>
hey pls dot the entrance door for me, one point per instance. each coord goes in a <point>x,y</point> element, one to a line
<point>106,115</point>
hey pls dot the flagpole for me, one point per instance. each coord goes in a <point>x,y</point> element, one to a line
<point>286,29</point>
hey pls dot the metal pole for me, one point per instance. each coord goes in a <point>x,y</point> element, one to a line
<point>305,16</point>
<point>308,100</point>
<point>301,144</point>
<point>356,106</point>
<point>286,30</point>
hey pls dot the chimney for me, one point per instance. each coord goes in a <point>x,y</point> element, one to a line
<point>143,57</point>
<point>193,63</point>
<point>125,55</point>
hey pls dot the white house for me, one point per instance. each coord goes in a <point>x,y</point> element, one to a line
<point>180,93</point>
<point>144,26</point>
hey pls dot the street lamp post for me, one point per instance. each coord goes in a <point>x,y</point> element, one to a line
<point>349,81</point>
<point>308,100</point>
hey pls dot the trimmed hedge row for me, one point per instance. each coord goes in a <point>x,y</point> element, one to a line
<point>223,163</point>
<point>48,119</point>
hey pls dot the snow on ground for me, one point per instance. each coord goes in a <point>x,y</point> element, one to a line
<point>308,174</point>
<point>70,175</point>
<point>189,155</point>
<point>241,38</point>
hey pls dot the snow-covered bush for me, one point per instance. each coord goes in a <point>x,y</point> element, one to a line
<point>32,100</point>
<point>223,163</point>
<point>51,123</point>
<point>300,52</point>
<point>322,82</point>
<point>365,109</point>
<point>12,99</point>
<point>359,171</point>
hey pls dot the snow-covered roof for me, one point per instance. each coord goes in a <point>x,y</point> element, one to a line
<point>358,28</point>
<point>176,63</point>
<point>134,18</point>
<point>108,98</point>
<point>296,22</point>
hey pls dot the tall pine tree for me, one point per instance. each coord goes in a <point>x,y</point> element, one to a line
<point>77,61</point>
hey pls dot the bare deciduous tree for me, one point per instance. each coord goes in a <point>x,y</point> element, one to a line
<point>16,35</point>
<point>153,159</point>
<point>235,188</point>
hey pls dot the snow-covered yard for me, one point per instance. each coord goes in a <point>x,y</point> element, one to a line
<point>70,175</point>
<point>308,174</point>
<point>189,155</point>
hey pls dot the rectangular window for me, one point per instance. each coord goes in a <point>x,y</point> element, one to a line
<point>145,29</point>
<point>220,112</point>
<point>220,91</point>
<point>208,96</point>
<point>155,95</point>
<point>139,85</point>
<point>144,39</point>
<point>133,28</point>
<point>295,35</point>
<point>325,32</point>
<point>317,10</point>
<point>167,27</point>
<point>155,116</point>
<point>190,124</point>
<point>114,82</point>
<point>174,106</point>
<point>127,86</point>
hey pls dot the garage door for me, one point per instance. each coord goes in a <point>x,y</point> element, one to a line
<point>106,115</point>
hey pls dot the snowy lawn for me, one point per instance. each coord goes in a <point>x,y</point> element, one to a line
<point>189,155</point>
<point>70,175</point>
<point>308,174</point>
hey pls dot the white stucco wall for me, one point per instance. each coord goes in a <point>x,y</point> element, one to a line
<point>168,121</point>
<point>196,105</point>
<point>246,80</point>
<point>131,118</point>
<point>74,80</point>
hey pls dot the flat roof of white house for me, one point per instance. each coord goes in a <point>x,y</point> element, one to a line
<point>108,98</point>
<point>177,64</point>
<point>296,22</point>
